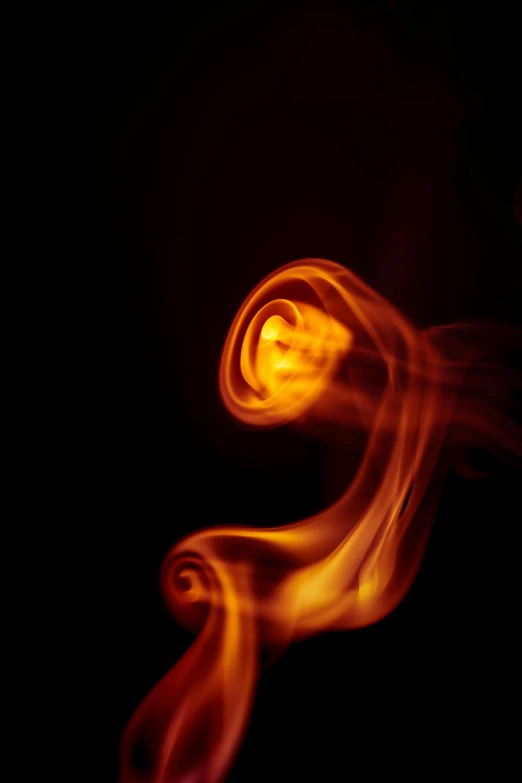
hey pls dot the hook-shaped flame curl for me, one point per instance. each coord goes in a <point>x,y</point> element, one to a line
<point>311,342</point>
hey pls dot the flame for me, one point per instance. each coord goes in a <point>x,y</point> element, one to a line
<point>312,343</point>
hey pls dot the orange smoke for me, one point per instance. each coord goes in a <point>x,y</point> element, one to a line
<point>313,343</point>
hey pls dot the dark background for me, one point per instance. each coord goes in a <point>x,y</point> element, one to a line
<point>223,142</point>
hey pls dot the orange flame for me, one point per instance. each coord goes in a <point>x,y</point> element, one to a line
<point>312,342</point>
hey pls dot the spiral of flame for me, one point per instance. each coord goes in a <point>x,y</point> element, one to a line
<point>189,587</point>
<point>311,340</point>
<point>281,353</point>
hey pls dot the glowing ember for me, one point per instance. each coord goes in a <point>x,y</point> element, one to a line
<point>312,342</point>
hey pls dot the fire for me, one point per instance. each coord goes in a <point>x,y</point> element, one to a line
<point>280,356</point>
<point>312,343</point>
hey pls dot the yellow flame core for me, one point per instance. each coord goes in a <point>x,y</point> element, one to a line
<point>288,354</point>
<point>312,340</point>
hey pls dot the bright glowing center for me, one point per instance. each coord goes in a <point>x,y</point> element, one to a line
<point>273,328</point>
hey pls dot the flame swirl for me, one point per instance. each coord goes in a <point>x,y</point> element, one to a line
<point>281,353</point>
<point>312,341</point>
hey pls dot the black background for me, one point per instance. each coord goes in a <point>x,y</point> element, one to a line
<point>223,142</point>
